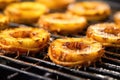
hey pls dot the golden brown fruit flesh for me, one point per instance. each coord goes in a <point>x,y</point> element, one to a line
<point>25,12</point>
<point>92,10</point>
<point>62,23</point>
<point>106,33</point>
<point>23,40</point>
<point>72,52</point>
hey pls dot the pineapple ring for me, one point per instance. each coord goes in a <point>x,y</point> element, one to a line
<point>92,10</point>
<point>25,12</point>
<point>4,3</point>
<point>73,52</point>
<point>23,40</point>
<point>117,17</point>
<point>62,23</point>
<point>4,22</point>
<point>106,33</point>
<point>56,4</point>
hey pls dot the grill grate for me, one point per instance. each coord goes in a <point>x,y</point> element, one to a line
<point>41,68</point>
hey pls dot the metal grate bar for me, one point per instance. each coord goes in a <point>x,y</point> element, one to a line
<point>67,70</point>
<point>112,54</point>
<point>70,77</point>
<point>105,72</point>
<point>23,72</point>
<point>111,60</point>
<point>110,66</point>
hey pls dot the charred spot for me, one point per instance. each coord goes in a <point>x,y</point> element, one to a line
<point>118,40</point>
<point>83,54</point>
<point>96,14</point>
<point>112,30</point>
<point>75,45</point>
<point>20,34</point>
<point>34,33</point>
<point>105,39</point>
<point>20,42</point>
<point>36,40</point>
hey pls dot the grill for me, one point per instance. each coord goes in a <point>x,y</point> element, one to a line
<point>40,67</point>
